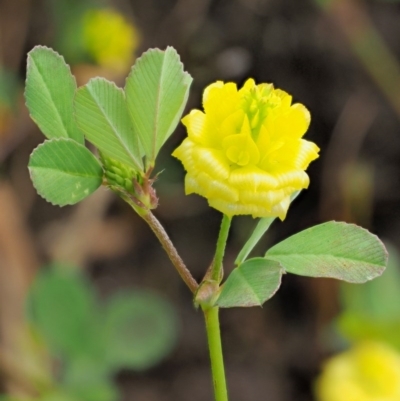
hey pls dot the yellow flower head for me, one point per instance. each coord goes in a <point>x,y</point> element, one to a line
<point>245,152</point>
<point>368,372</point>
<point>110,39</point>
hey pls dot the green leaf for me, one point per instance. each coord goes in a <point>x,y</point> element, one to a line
<point>102,114</point>
<point>156,91</point>
<point>64,172</point>
<point>89,379</point>
<point>49,94</point>
<point>261,228</point>
<point>338,250</point>
<point>139,330</point>
<point>251,284</point>
<point>62,307</point>
<point>8,88</point>
<point>378,299</point>
<point>372,311</point>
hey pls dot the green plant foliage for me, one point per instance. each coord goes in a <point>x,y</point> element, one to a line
<point>49,93</point>
<point>89,379</point>
<point>338,250</point>
<point>62,307</point>
<point>372,311</point>
<point>102,114</point>
<point>261,228</point>
<point>251,284</point>
<point>94,341</point>
<point>156,91</point>
<point>8,88</point>
<point>56,395</point>
<point>64,172</point>
<point>140,329</point>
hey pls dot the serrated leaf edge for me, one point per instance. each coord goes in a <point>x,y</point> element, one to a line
<point>30,172</point>
<point>121,90</point>
<point>187,78</point>
<point>28,62</point>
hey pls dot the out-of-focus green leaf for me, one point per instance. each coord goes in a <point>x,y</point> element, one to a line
<point>140,329</point>
<point>8,88</point>
<point>56,395</point>
<point>357,328</point>
<point>62,307</point>
<point>64,172</point>
<point>89,379</point>
<point>251,284</point>
<point>102,114</point>
<point>100,391</point>
<point>338,250</point>
<point>378,299</point>
<point>372,311</point>
<point>156,90</point>
<point>49,94</point>
<point>261,228</point>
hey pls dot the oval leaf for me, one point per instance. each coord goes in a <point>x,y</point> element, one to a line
<point>64,172</point>
<point>62,307</point>
<point>156,91</point>
<point>337,250</point>
<point>102,114</point>
<point>49,94</point>
<point>251,284</point>
<point>139,330</point>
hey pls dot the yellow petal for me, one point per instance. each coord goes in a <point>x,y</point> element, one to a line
<point>241,149</point>
<point>221,101</point>
<point>297,179</point>
<point>306,154</point>
<point>195,124</point>
<point>231,125</point>
<point>252,178</point>
<point>264,199</point>
<point>184,153</point>
<point>216,189</point>
<point>211,161</point>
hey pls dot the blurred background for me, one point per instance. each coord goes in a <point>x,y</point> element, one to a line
<point>340,58</point>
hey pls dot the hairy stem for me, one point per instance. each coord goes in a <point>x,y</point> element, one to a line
<point>171,251</point>
<point>215,347</point>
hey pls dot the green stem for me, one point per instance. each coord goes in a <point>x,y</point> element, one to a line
<point>215,347</point>
<point>216,270</point>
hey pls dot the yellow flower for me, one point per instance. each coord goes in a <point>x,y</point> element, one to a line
<point>110,39</point>
<point>368,372</point>
<point>245,153</point>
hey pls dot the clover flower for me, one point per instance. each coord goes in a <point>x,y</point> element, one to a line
<point>110,39</point>
<point>368,372</point>
<point>245,152</point>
